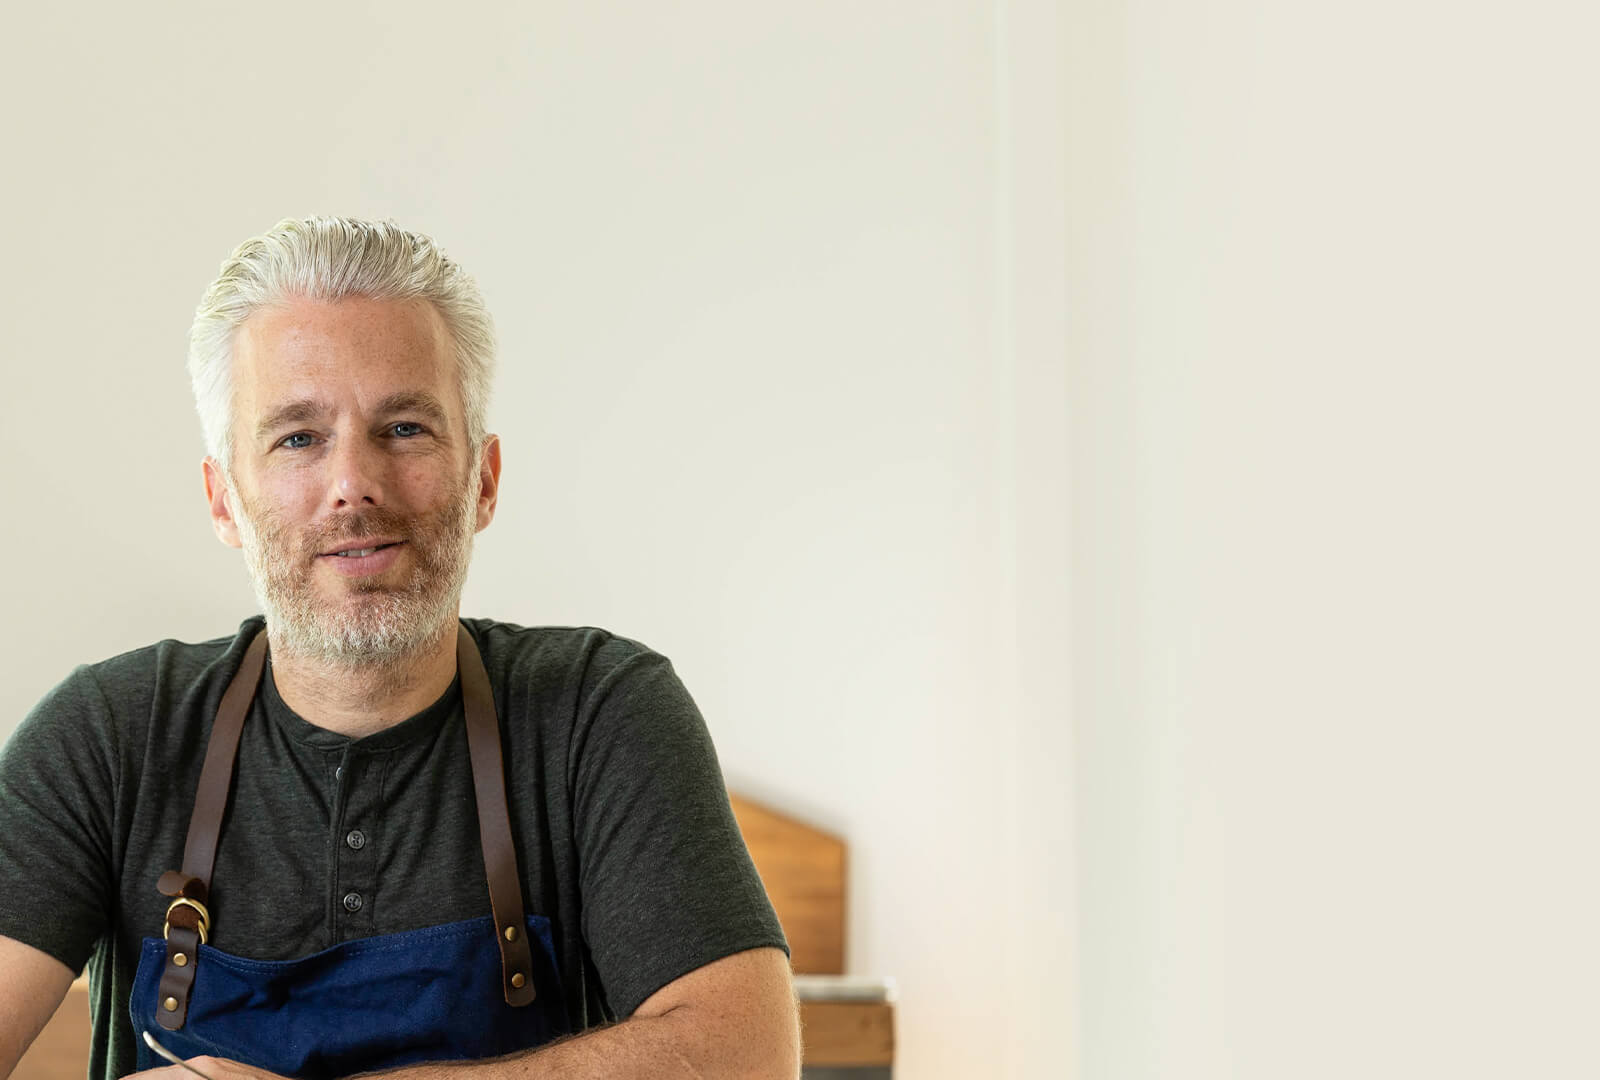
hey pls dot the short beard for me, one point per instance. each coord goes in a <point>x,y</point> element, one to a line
<point>378,626</point>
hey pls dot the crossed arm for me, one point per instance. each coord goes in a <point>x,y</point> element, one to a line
<point>736,1017</point>
<point>32,985</point>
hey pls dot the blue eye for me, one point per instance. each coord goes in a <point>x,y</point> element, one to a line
<point>406,429</point>
<point>293,445</point>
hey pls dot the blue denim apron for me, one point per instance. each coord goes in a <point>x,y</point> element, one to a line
<point>372,1003</point>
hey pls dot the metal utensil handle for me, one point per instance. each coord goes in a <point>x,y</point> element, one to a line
<point>150,1041</point>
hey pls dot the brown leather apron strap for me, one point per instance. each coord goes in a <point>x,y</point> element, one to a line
<point>494,822</point>
<point>216,775</point>
<point>188,920</point>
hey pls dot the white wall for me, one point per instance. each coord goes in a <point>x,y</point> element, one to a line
<point>778,288</point>
<point>1332,282</point>
<point>783,397</point>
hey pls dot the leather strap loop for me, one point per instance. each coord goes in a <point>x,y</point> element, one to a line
<point>494,822</point>
<point>177,977</point>
<point>177,883</point>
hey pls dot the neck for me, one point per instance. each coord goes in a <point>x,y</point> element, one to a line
<point>363,699</point>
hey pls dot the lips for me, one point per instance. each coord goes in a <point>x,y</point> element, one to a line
<point>360,547</point>
<point>363,558</point>
<point>359,553</point>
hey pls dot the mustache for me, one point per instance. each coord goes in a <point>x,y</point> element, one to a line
<point>374,521</point>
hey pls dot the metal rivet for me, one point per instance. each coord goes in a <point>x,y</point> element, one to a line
<point>181,959</point>
<point>171,1004</point>
<point>511,933</point>
<point>517,980</point>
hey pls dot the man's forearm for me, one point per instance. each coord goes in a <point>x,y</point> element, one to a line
<point>671,1046</point>
<point>665,1047</point>
<point>640,1047</point>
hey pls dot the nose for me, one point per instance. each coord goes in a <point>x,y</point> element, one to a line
<point>356,475</point>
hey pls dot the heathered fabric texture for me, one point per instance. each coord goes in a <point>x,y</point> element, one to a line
<point>624,835</point>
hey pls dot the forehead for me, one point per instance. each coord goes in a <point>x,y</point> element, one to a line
<point>348,351</point>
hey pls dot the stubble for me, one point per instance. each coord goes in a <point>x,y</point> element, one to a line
<point>368,624</point>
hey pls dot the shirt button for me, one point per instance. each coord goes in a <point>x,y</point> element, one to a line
<point>352,902</point>
<point>356,839</point>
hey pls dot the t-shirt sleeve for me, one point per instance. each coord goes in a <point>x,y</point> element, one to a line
<point>57,789</point>
<point>667,883</point>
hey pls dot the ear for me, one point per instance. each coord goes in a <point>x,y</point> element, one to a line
<point>217,496</point>
<point>488,481</point>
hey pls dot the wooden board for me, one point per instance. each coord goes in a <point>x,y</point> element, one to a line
<point>803,870</point>
<point>847,1033</point>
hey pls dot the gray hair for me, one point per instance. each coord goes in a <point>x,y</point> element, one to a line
<point>329,258</point>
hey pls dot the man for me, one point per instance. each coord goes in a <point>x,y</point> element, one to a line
<point>362,833</point>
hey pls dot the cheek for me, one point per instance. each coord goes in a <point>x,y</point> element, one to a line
<point>288,500</point>
<point>422,486</point>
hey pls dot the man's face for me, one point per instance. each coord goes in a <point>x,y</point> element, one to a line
<point>354,492</point>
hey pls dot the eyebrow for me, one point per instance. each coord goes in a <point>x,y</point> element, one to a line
<point>306,410</point>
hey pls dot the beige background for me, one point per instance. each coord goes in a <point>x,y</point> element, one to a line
<point>1127,466</point>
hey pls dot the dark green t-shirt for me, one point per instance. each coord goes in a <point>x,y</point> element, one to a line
<point>624,836</point>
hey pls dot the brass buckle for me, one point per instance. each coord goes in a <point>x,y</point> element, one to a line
<point>205,916</point>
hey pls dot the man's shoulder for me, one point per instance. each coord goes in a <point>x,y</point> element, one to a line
<point>551,642</point>
<point>161,673</point>
<point>115,698</point>
<point>169,660</point>
<point>573,657</point>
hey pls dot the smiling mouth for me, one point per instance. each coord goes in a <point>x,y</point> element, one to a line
<point>358,553</point>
